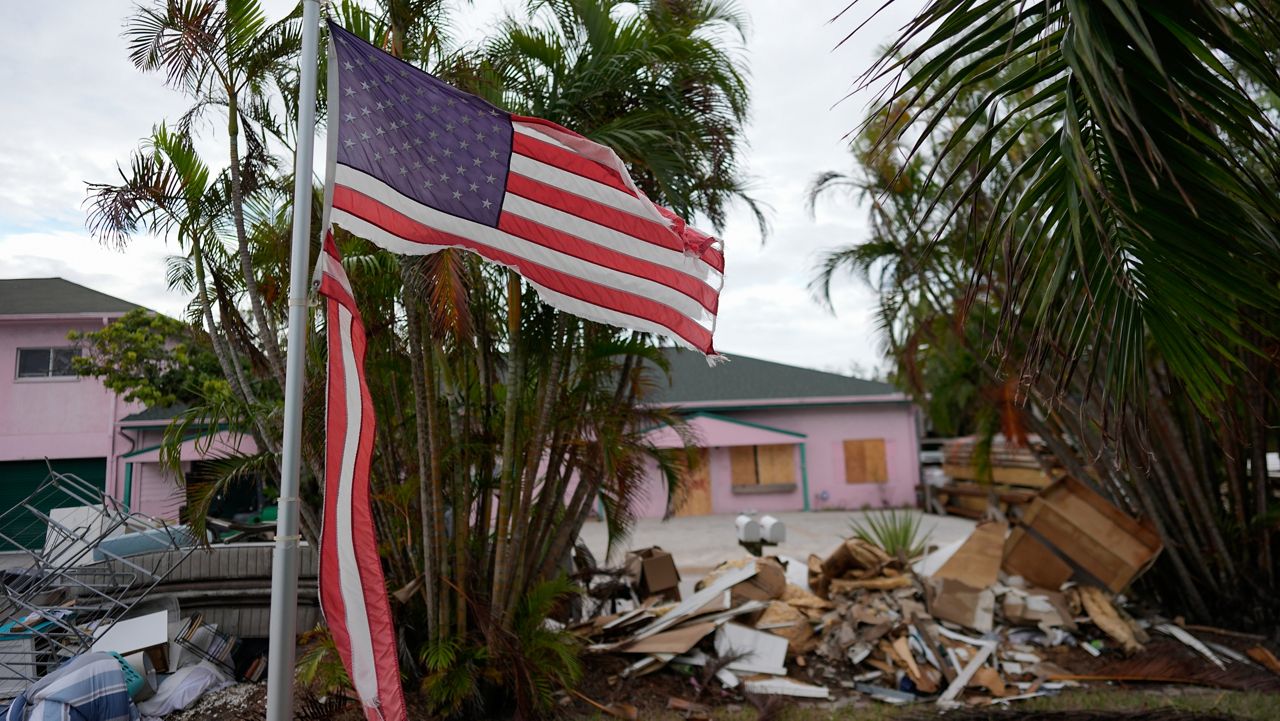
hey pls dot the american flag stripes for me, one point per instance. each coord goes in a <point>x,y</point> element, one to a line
<point>418,166</point>
<point>353,593</point>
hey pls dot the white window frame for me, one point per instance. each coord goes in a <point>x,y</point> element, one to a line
<point>17,365</point>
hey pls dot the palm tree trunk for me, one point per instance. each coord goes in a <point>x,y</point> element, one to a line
<point>510,470</point>
<point>548,394</point>
<point>439,539</point>
<point>266,330</point>
<point>429,586</point>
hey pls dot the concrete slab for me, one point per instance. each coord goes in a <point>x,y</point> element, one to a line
<point>700,543</point>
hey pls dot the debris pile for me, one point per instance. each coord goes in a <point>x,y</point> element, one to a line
<point>957,626</point>
<point>111,596</point>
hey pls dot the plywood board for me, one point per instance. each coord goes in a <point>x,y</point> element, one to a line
<point>678,640</point>
<point>696,479</point>
<point>776,463</point>
<point>1091,533</point>
<point>742,465</point>
<point>864,461</point>
<point>1027,557</point>
<point>977,562</point>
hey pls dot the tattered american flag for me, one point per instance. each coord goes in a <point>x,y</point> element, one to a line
<point>353,594</point>
<point>418,166</point>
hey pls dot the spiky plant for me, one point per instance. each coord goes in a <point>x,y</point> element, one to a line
<point>899,532</point>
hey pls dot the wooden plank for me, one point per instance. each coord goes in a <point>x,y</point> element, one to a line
<point>1119,542</point>
<point>1094,555</point>
<point>1001,492</point>
<point>1027,557</point>
<point>742,465</point>
<point>1025,477</point>
<point>776,463</point>
<point>697,487</point>
<point>855,465</point>
<point>877,462</point>
<point>1073,491</point>
<point>864,461</point>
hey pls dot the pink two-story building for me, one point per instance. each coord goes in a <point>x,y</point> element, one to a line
<point>774,437</point>
<point>51,418</point>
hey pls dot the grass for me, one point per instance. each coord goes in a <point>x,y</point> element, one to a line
<point>1246,705</point>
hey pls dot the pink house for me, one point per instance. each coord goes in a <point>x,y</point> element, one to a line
<point>774,437</point>
<point>51,417</point>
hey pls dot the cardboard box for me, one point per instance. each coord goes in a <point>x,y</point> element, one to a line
<point>654,573</point>
<point>1085,532</point>
<point>961,604</point>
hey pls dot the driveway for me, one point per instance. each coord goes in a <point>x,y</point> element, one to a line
<point>700,543</point>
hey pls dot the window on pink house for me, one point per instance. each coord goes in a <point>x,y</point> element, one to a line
<point>46,362</point>
<point>762,466</point>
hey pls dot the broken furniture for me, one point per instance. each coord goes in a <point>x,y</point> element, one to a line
<point>1070,530</point>
<point>63,596</point>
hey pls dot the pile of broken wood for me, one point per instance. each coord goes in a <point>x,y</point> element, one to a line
<point>955,627</point>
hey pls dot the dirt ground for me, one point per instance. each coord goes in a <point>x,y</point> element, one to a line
<point>1187,689</point>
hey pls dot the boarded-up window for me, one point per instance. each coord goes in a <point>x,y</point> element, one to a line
<point>864,461</point>
<point>762,465</point>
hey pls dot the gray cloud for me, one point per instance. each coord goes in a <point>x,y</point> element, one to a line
<point>74,107</point>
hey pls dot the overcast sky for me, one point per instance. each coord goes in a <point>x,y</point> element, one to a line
<point>74,107</point>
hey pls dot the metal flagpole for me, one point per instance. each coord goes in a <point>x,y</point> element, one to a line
<point>284,568</point>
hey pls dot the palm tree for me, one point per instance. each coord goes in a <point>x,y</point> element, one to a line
<point>502,424</point>
<point>658,81</point>
<point>1110,169</point>
<point>224,54</point>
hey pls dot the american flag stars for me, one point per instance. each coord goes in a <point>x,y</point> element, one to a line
<point>398,126</point>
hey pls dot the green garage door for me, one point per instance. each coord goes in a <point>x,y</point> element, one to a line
<point>19,479</point>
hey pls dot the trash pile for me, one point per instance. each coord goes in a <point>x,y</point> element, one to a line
<point>115,599</point>
<point>993,618</point>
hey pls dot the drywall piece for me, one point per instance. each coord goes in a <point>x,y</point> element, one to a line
<point>785,687</point>
<point>728,678</point>
<point>757,651</point>
<point>948,697</point>
<point>648,664</point>
<point>930,564</point>
<point>887,695</point>
<point>143,633</point>
<point>1191,642</point>
<point>696,657</point>
<point>961,604</point>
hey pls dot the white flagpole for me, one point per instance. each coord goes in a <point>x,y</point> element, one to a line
<point>284,568</point>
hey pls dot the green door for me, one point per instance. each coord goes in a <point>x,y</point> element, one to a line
<point>19,479</point>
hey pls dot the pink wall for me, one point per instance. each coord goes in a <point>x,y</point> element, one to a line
<point>77,417</point>
<point>155,491</point>
<point>826,428</point>
<point>54,418</point>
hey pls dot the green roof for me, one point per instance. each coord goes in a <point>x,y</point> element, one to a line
<point>156,413</point>
<point>753,379</point>
<point>55,296</point>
